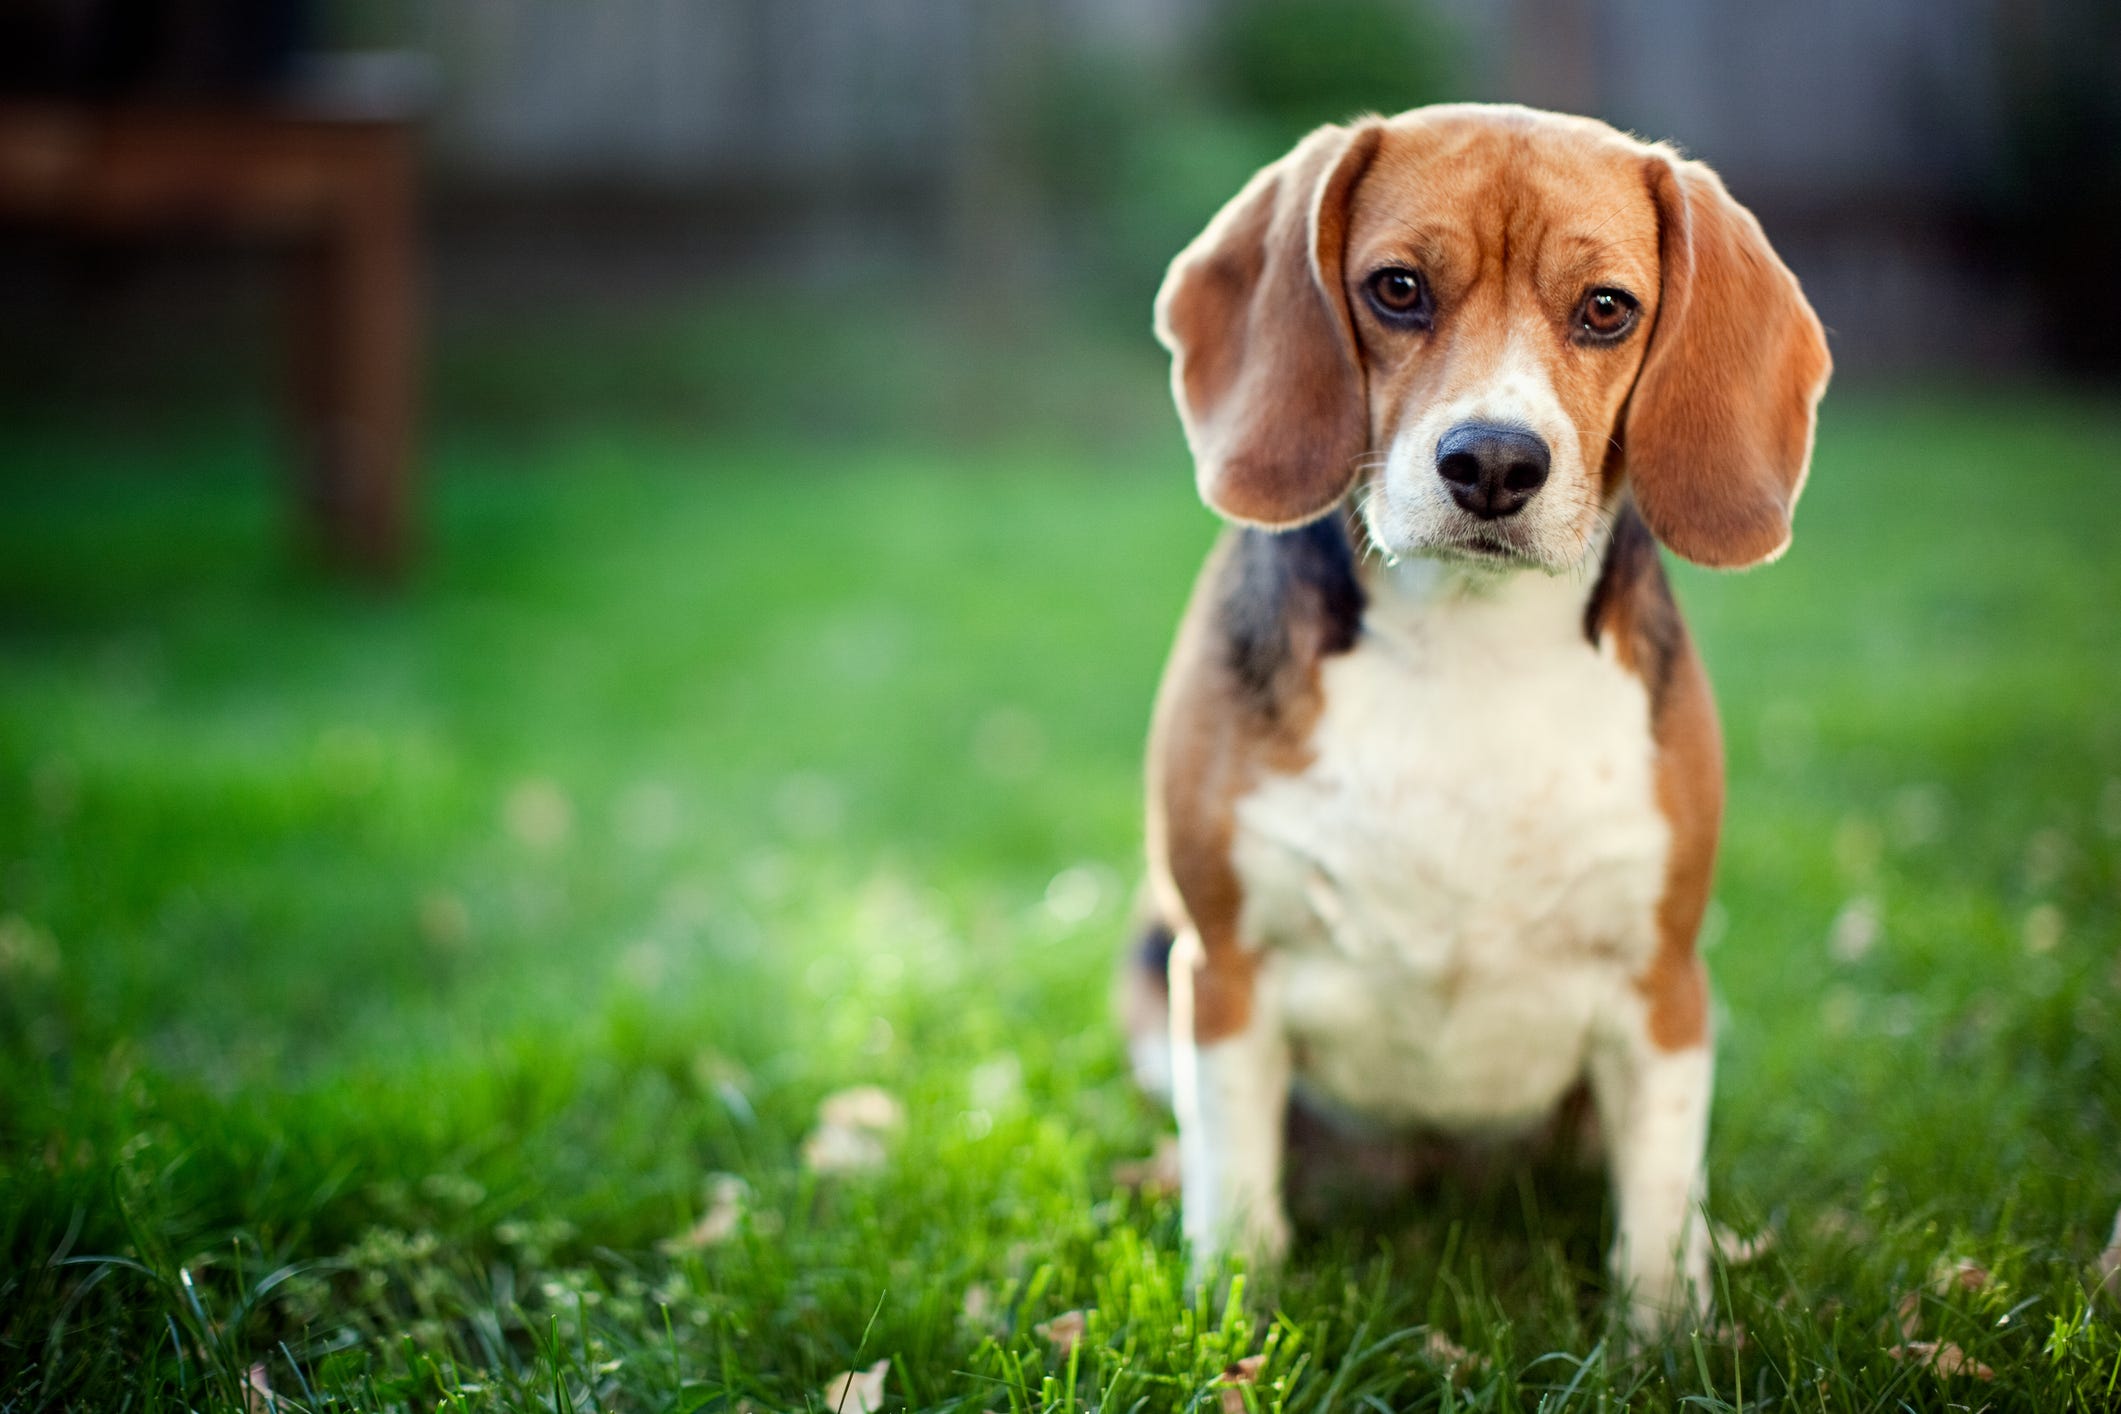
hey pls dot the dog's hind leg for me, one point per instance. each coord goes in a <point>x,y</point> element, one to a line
<point>1144,1005</point>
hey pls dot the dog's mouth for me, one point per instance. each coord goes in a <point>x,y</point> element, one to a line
<point>1487,552</point>
<point>1486,549</point>
<point>1495,545</point>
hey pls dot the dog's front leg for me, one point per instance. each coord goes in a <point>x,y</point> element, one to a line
<point>1230,1090</point>
<point>1653,1111</point>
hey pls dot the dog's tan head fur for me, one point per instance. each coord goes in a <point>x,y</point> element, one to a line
<point>1393,282</point>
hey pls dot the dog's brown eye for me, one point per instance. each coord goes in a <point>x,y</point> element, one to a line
<point>1399,295</point>
<point>1606,314</point>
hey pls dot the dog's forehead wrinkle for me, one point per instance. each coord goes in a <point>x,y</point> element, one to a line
<point>1592,246</point>
<point>1469,218</point>
<point>1607,221</point>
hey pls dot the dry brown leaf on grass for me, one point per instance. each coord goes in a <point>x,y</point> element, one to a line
<point>831,1150</point>
<point>2109,1269</point>
<point>539,814</point>
<point>858,1391</point>
<point>1456,1361</point>
<point>1065,1331</point>
<point>257,1392</point>
<point>862,1107</point>
<point>1962,1274</point>
<point>1731,1335</point>
<point>980,1314</point>
<point>1841,1225</point>
<point>1739,1251</point>
<point>1942,1357</point>
<point>725,1212</point>
<point>850,1130</point>
<point>1946,1277</point>
<point>1235,1378</point>
<point>1157,1176</point>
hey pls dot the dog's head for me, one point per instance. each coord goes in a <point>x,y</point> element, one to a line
<point>1491,320</point>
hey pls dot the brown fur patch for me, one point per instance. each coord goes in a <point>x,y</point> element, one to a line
<point>1239,700</point>
<point>1632,608</point>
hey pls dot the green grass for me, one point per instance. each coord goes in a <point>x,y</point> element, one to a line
<point>382,978</point>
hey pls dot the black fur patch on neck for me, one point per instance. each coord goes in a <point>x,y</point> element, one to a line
<point>1152,952</point>
<point>1289,597</point>
<point>1633,574</point>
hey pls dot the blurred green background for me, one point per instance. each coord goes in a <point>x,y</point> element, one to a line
<point>388,971</point>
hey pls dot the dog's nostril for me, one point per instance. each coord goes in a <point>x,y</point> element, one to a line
<point>1524,476</point>
<point>1461,468</point>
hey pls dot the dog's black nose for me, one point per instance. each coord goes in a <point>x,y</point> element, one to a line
<point>1492,471</point>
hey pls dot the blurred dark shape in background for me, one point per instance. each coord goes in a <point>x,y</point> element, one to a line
<point>197,49</point>
<point>2052,182</point>
<point>1945,175</point>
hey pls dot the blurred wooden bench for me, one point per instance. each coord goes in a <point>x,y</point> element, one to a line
<point>337,188</point>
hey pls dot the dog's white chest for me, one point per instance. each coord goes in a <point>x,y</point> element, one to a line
<point>1458,888</point>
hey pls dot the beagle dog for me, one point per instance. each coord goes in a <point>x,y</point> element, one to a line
<point>1435,778</point>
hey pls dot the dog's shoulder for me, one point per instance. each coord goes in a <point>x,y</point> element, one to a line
<point>1241,689</point>
<point>1632,612</point>
<point>1282,601</point>
<point>1241,695</point>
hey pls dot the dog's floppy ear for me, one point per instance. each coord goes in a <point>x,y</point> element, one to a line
<point>1719,430</point>
<point>1264,365</point>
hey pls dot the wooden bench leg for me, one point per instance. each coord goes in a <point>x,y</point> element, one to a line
<point>354,348</point>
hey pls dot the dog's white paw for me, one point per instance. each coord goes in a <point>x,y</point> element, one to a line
<point>1260,1241</point>
<point>1667,1299</point>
